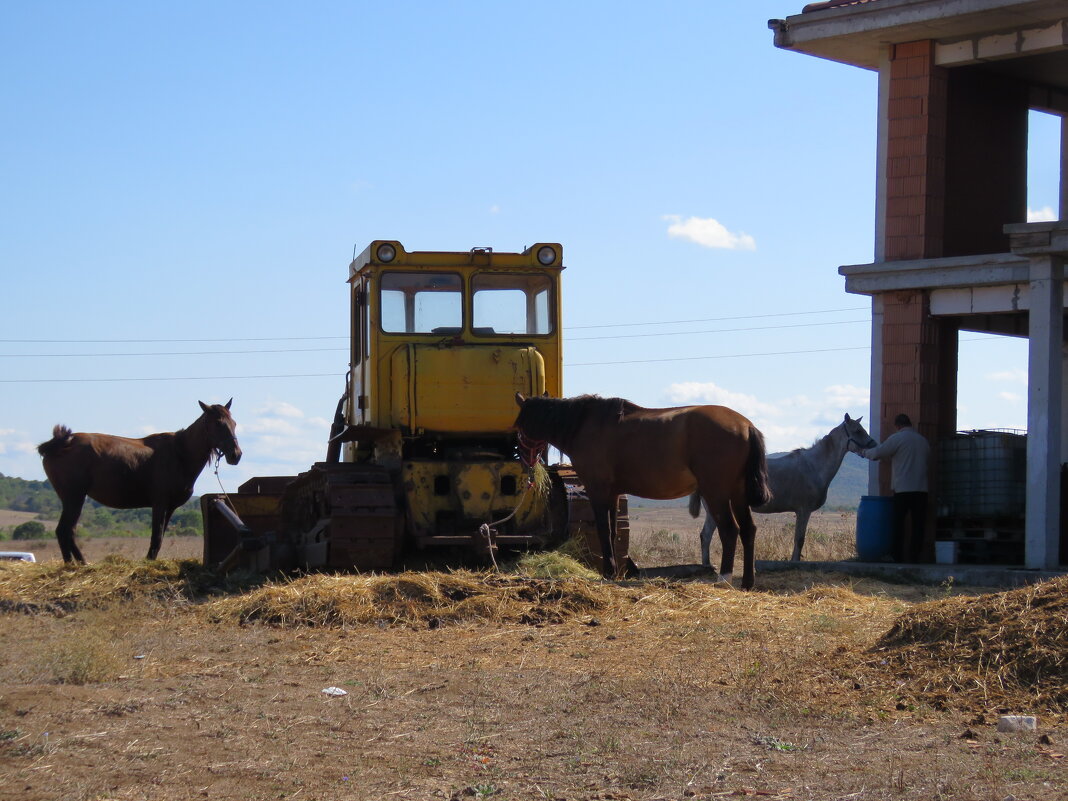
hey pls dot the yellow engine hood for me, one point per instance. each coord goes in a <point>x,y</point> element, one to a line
<point>462,388</point>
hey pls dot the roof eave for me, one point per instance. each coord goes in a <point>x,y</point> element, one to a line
<point>858,34</point>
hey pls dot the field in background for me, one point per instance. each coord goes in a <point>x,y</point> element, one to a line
<point>667,535</point>
<point>9,518</point>
<point>660,535</point>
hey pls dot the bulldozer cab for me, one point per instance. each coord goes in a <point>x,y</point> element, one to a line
<point>442,341</point>
<point>422,454</point>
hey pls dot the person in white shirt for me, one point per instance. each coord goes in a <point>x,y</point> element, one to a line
<point>909,453</point>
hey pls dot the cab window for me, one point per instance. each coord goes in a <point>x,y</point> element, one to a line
<point>506,303</point>
<point>422,303</point>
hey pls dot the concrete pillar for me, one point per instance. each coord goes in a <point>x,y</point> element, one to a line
<point>1044,412</point>
<point>881,150</point>
<point>875,399</point>
<point>1064,410</point>
<point>1063,212</point>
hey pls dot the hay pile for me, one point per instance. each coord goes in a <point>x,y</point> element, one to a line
<point>415,599</point>
<point>57,589</point>
<point>1004,651</point>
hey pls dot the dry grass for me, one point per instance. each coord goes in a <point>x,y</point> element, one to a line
<point>669,536</point>
<point>1007,650</point>
<point>129,680</point>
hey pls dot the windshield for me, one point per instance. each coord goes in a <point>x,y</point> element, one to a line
<point>506,303</point>
<point>422,303</point>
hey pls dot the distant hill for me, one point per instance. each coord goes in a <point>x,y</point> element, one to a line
<point>28,496</point>
<point>849,485</point>
<point>844,493</point>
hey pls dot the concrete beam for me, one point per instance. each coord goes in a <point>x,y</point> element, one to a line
<point>960,271</point>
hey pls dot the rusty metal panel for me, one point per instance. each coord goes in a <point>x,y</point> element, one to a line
<point>362,527</point>
<point>261,513</point>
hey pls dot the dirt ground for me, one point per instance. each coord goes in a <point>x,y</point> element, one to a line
<point>129,681</point>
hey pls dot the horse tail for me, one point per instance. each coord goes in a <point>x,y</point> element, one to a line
<point>61,438</point>
<point>695,505</point>
<point>757,488</point>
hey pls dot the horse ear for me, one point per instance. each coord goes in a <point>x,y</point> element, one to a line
<point>519,400</point>
<point>847,417</point>
<point>545,394</point>
<point>228,404</point>
<point>203,405</point>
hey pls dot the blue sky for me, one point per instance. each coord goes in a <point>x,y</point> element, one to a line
<point>184,185</point>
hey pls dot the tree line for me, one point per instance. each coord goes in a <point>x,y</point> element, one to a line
<point>38,497</point>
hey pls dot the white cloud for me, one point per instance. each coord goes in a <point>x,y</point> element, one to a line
<point>495,209</point>
<point>1012,397</point>
<point>278,440</point>
<point>787,423</point>
<point>1010,376</point>
<point>695,392</point>
<point>708,232</point>
<point>848,396</point>
<point>279,409</point>
<point>1044,214</point>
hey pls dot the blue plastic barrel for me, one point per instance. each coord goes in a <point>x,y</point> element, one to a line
<point>875,528</point>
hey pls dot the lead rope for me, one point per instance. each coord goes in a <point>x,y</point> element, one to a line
<point>217,455</point>
<point>530,453</point>
<point>486,529</point>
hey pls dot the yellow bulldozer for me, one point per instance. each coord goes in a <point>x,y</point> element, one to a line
<point>422,455</point>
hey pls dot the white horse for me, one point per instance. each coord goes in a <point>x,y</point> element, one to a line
<point>799,481</point>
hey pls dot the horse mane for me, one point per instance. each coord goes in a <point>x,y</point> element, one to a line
<point>563,417</point>
<point>61,436</point>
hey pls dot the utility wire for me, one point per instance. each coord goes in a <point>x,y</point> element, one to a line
<point>299,339</point>
<point>335,375</point>
<point>341,350</point>
<point>714,331</point>
<point>716,319</point>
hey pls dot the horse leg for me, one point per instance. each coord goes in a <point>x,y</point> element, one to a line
<point>747,533</point>
<point>706,539</point>
<point>161,517</point>
<point>68,519</point>
<point>800,527</point>
<point>728,536</point>
<point>605,519</point>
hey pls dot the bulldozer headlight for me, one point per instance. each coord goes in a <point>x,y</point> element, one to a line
<point>386,253</point>
<point>546,255</point>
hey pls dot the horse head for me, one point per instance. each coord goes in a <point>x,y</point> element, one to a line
<point>858,439</point>
<point>222,430</point>
<point>531,421</point>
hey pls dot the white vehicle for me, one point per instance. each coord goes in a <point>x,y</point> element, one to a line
<point>18,556</point>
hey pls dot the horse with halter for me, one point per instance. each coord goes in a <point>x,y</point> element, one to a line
<point>618,447</point>
<point>157,471</point>
<point>799,481</point>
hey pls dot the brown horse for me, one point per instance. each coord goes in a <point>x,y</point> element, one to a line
<point>619,447</point>
<point>158,471</point>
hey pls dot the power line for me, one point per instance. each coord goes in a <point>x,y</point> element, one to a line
<point>163,378</point>
<point>172,353</point>
<point>342,350</point>
<point>716,319</point>
<point>714,331</point>
<point>335,375</point>
<point>157,341</point>
<point>721,356</point>
<point>314,338</point>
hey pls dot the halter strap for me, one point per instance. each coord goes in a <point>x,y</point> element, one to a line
<point>531,451</point>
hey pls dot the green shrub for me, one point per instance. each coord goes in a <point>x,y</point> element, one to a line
<point>30,530</point>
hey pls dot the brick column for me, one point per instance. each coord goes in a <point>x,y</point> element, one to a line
<point>919,357</point>
<point>915,164</point>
